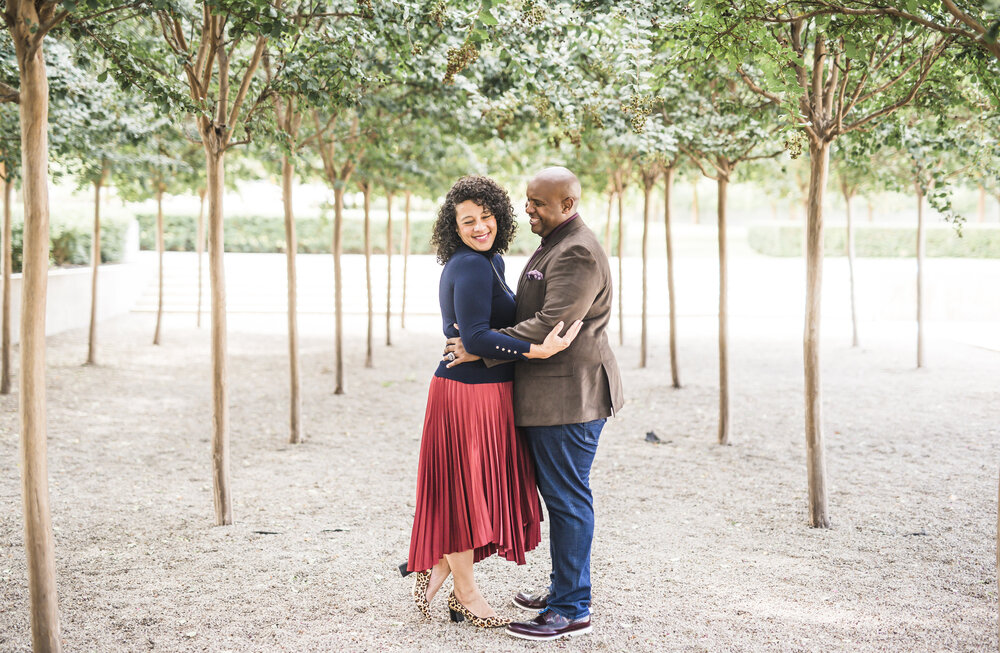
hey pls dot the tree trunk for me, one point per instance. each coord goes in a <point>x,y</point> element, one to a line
<point>607,225</point>
<point>200,248</point>
<point>621,257</point>
<point>723,184</point>
<point>159,257</point>
<point>338,287</point>
<point>406,256</point>
<point>694,201</point>
<point>291,249</point>
<point>38,540</point>
<point>981,204</point>
<point>647,209</point>
<point>388,270</point>
<point>95,264</point>
<point>871,210</point>
<point>668,189</point>
<point>921,243</point>
<point>850,263</point>
<point>819,157</point>
<point>215,158</point>
<point>366,192</point>
<point>8,270</point>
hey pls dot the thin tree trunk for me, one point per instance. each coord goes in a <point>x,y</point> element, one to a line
<point>366,192</point>
<point>694,201</point>
<point>723,184</point>
<point>220,361</point>
<point>671,299</point>
<point>159,257</point>
<point>95,264</point>
<point>850,263</point>
<point>921,243</point>
<point>38,539</point>
<point>981,204</point>
<point>406,256</point>
<point>819,157</point>
<point>647,210</point>
<point>200,248</point>
<point>871,210</point>
<point>388,270</point>
<point>8,270</point>
<point>291,249</point>
<point>607,225</point>
<point>338,287</point>
<point>621,257</point>
<point>774,211</point>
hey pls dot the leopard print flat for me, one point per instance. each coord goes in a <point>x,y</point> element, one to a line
<point>459,612</point>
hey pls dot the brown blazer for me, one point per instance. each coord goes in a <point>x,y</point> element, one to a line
<point>580,383</point>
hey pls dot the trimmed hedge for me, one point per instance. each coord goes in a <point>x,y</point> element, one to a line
<point>70,244</point>
<point>266,234</point>
<point>879,242</point>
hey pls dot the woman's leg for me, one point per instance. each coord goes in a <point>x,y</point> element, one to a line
<point>466,590</point>
<point>439,574</point>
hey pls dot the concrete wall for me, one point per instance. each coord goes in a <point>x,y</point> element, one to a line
<point>67,304</point>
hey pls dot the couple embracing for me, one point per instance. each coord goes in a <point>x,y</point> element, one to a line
<point>514,405</point>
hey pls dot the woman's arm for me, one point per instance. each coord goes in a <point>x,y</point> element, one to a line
<point>473,295</point>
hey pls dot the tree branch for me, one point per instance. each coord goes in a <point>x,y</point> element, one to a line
<point>247,78</point>
<point>9,94</point>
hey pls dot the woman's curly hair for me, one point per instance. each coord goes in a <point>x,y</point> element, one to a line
<point>484,192</point>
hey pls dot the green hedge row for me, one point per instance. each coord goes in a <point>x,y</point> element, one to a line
<point>887,242</point>
<point>70,244</point>
<point>267,234</point>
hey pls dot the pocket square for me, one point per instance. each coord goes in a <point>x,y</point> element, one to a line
<point>534,275</point>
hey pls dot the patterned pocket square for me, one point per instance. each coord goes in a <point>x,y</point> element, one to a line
<point>534,275</point>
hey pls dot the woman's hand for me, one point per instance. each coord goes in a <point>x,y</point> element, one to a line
<point>554,343</point>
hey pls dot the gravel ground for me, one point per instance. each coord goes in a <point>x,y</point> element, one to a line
<point>698,548</point>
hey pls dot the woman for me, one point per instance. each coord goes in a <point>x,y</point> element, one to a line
<point>476,492</point>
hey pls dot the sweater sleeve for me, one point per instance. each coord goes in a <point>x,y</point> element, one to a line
<point>473,306</point>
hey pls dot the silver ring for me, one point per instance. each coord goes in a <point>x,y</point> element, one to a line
<point>450,356</point>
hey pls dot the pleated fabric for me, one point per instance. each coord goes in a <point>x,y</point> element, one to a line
<point>475,479</point>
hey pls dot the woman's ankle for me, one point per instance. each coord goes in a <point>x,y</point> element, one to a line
<point>466,595</point>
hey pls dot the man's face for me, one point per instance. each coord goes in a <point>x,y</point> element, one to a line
<point>544,207</point>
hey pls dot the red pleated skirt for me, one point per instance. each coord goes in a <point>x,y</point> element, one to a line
<point>475,479</point>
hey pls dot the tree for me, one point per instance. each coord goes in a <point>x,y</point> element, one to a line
<point>729,128</point>
<point>10,149</point>
<point>28,22</point>
<point>97,124</point>
<point>857,165</point>
<point>210,53</point>
<point>831,75</point>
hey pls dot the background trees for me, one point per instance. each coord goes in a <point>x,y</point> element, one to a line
<point>403,97</point>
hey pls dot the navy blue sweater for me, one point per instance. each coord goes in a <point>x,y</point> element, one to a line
<point>472,294</point>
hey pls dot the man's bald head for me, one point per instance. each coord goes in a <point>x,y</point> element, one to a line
<point>553,196</point>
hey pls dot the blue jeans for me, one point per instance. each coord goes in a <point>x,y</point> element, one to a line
<point>563,455</point>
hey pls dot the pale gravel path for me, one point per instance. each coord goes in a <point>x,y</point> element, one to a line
<point>699,548</point>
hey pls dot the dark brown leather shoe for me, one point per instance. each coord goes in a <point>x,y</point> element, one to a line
<point>535,602</point>
<point>549,625</point>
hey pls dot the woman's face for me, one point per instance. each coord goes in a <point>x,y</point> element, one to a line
<point>476,225</point>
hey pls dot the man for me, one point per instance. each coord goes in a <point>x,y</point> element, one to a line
<point>562,402</point>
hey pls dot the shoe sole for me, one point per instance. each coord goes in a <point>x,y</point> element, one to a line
<point>524,607</point>
<point>538,638</point>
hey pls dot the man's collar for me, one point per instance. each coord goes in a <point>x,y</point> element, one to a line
<point>559,227</point>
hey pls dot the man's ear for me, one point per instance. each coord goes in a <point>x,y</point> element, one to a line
<point>567,205</point>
